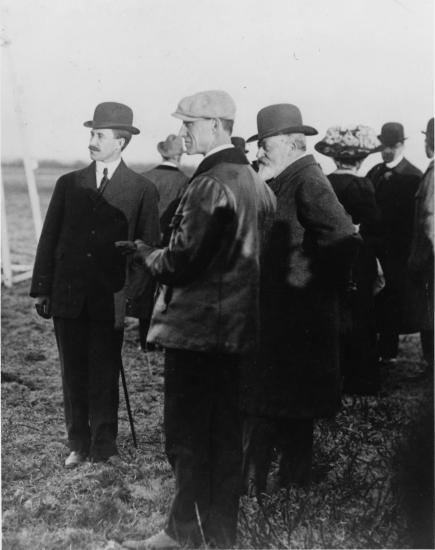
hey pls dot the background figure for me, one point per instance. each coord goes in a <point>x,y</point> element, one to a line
<point>295,377</point>
<point>171,183</point>
<point>400,305</point>
<point>84,283</point>
<point>349,146</point>
<point>206,318</point>
<point>421,258</point>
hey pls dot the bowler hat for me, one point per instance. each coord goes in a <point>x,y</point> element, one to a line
<point>282,118</point>
<point>171,147</point>
<point>112,115</point>
<point>391,133</point>
<point>208,104</point>
<point>430,133</point>
<point>239,143</point>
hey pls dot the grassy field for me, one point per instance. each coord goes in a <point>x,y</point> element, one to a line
<point>373,463</point>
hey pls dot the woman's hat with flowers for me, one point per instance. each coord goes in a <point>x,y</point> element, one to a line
<point>348,142</point>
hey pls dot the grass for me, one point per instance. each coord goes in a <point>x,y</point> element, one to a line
<point>373,463</point>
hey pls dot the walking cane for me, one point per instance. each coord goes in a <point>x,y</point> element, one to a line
<point>127,403</point>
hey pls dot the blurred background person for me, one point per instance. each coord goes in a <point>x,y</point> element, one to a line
<point>421,258</point>
<point>400,305</point>
<point>171,183</point>
<point>348,147</point>
<point>295,378</point>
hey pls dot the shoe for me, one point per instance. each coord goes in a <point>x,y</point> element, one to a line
<point>74,459</point>
<point>388,361</point>
<point>115,460</point>
<point>160,541</point>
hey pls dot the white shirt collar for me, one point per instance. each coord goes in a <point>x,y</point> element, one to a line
<point>219,148</point>
<point>394,162</point>
<point>111,167</point>
<point>168,163</point>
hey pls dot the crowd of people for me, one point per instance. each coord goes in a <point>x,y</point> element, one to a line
<point>272,289</point>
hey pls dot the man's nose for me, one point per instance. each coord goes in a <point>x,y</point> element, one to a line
<point>183,131</point>
<point>260,152</point>
<point>93,140</point>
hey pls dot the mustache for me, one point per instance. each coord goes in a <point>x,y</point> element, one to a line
<point>92,148</point>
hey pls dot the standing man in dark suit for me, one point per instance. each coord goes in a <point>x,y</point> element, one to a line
<point>296,377</point>
<point>169,180</point>
<point>396,182</point>
<point>421,259</point>
<point>83,282</point>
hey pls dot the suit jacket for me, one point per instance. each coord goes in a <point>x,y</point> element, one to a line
<point>171,184</point>
<point>401,303</point>
<point>395,190</point>
<point>76,259</point>
<point>422,248</point>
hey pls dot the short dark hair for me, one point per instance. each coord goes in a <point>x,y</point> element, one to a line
<point>227,125</point>
<point>122,134</point>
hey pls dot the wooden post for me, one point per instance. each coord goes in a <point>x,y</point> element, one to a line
<point>6,256</point>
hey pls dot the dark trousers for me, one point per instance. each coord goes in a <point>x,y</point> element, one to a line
<point>291,437</point>
<point>90,358</point>
<point>203,445</point>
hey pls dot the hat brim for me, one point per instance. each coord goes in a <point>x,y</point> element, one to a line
<point>389,143</point>
<point>307,130</point>
<point>343,153</point>
<point>110,126</point>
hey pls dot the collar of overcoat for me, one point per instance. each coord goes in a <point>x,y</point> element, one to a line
<point>115,186</point>
<point>231,155</point>
<point>291,170</point>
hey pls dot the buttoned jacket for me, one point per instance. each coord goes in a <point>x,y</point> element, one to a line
<point>76,259</point>
<point>211,267</point>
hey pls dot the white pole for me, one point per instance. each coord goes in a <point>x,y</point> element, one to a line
<point>6,256</point>
<point>30,174</point>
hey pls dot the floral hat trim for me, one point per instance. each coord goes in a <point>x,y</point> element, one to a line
<point>348,142</point>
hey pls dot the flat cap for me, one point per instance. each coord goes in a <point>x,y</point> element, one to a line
<point>208,104</point>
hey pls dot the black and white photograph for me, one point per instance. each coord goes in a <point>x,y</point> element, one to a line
<point>217,274</point>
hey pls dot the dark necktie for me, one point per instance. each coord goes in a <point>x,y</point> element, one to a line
<point>104,182</point>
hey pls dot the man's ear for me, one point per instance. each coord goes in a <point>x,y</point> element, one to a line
<point>216,123</point>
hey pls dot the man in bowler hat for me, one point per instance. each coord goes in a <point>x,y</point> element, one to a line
<point>396,182</point>
<point>421,258</point>
<point>83,282</point>
<point>295,377</point>
<point>206,319</point>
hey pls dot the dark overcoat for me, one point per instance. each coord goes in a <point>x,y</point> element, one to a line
<point>401,304</point>
<point>297,371</point>
<point>76,259</point>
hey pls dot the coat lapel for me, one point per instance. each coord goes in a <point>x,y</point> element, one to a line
<point>115,185</point>
<point>87,180</point>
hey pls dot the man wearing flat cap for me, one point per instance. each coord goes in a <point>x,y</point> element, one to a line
<point>396,182</point>
<point>206,319</point>
<point>83,282</point>
<point>295,378</point>
<point>421,258</point>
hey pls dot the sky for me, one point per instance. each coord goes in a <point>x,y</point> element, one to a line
<point>340,61</point>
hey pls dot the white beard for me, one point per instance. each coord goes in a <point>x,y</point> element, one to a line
<point>265,172</point>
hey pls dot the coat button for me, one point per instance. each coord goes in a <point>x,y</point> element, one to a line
<point>89,255</point>
<point>93,232</point>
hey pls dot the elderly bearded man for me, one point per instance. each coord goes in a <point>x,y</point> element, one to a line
<point>82,281</point>
<point>206,319</point>
<point>296,376</point>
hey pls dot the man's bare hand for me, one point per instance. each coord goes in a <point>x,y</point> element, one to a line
<point>43,306</point>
